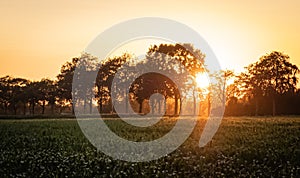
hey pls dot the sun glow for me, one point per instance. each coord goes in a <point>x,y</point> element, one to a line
<point>202,80</point>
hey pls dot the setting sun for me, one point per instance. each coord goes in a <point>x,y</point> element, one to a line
<point>202,80</point>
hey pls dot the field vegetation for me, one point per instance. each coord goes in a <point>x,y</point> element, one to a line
<point>242,147</point>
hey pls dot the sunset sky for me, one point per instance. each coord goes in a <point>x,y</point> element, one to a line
<point>37,37</point>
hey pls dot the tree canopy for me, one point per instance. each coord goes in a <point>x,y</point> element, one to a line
<point>268,86</point>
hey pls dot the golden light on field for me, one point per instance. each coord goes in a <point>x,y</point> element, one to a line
<point>202,80</point>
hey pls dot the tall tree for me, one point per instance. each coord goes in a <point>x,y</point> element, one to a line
<point>47,93</point>
<point>12,93</point>
<point>191,63</point>
<point>269,77</point>
<point>18,86</point>
<point>84,93</point>
<point>5,92</point>
<point>105,76</point>
<point>33,93</point>
<point>220,87</point>
<point>65,79</point>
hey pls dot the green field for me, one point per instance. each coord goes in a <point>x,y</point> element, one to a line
<point>242,147</point>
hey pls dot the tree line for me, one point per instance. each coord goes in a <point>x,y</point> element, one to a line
<point>267,87</point>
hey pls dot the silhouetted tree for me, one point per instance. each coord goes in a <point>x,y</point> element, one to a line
<point>33,94</point>
<point>47,93</point>
<point>191,61</point>
<point>150,83</point>
<point>105,76</point>
<point>65,79</point>
<point>12,93</point>
<point>5,92</point>
<point>18,85</point>
<point>220,89</point>
<point>84,92</point>
<point>270,77</point>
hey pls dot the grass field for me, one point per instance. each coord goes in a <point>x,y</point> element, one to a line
<point>242,147</point>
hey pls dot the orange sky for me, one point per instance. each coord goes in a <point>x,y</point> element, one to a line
<point>37,37</point>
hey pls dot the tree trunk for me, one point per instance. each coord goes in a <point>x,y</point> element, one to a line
<point>52,108</point>
<point>72,107</point>
<point>24,108</point>
<point>43,107</point>
<point>33,106</point>
<point>141,107</point>
<point>5,108</point>
<point>30,110</point>
<point>91,105</point>
<point>159,106</point>
<point>274,106</point>
<point>100,105</point>
<point>194,102</point>
<point>15,109</point>
<point>60,109</point>
<point>152,106</point>
<point>112,103</point>
<point>126,101</point>
<point>100,99</point>
<point>256,107</point>
<point>199,113</point>
<point>84,106</point>
<point>180,106</point>
<point>224,93</point>
<point>176,105</point>
<point>208,105</point>
<point>165,106</point>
